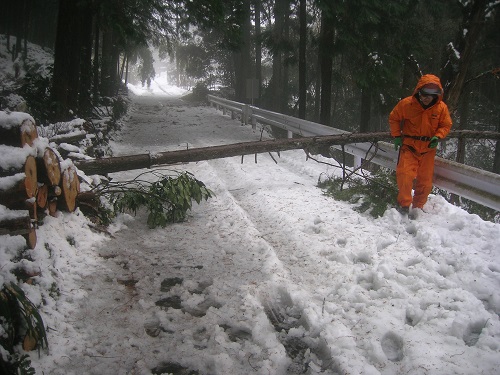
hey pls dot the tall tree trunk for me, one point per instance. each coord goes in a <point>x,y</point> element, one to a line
<point>84,100</point>
<point>496,160</point>
<point>366,107</point>
<point>277,78</point>
<point>317,91</point>
<point>326,68</point>
<point>107,68</point>
<point>286,63</point>
<point>472,26</point>
<point>464,119</point>
<point>242,56</point>
<point>66,59</point>
<point>95,63</point>
<point>302,58</point>
<point>258,49</point>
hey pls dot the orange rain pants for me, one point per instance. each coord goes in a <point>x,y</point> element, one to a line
<point>414,165</point>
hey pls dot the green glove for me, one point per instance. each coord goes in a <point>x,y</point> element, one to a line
<point>434,142</point>
<point>398,141</point>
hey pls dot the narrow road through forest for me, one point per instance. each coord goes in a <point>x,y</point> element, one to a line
<point>270,276</point>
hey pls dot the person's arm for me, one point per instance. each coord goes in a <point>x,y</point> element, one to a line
<point>445,122</point>
<point>395,120</point>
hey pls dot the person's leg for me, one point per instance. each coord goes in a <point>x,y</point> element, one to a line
<point>406,171</point>
<point>423,185</point>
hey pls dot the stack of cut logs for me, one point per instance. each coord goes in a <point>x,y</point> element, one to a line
<point>32,181</point>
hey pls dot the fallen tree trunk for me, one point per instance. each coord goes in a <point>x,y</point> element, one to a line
<point>125,163</point>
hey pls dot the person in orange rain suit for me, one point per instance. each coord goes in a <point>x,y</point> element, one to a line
<point>417,123</point>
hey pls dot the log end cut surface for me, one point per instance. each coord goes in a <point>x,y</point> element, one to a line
<point>70,189</point>
<point>28,132</point>
<point>52,166</point>
<point>30,181</point>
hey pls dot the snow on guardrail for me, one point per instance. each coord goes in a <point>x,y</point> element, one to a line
<point>471,183</point>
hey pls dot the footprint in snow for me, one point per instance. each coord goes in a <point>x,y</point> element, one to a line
<point>392,345</point>
<point>473,331</point>
<point>305,351</point>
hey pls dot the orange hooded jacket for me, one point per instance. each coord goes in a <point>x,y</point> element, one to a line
<point>409,117</point>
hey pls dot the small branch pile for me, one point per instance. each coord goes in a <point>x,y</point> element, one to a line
<point>167,198</point>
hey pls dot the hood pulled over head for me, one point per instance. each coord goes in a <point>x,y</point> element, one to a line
<point>429,84</point>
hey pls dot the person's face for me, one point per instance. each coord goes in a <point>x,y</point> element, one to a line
<point>426,99</point>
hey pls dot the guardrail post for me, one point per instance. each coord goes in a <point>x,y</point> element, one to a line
<point>289,134</point>
<point>357,161</point>
<point>244,115</point>
<point>254,123</point>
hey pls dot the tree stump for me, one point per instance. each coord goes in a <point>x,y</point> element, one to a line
<point>17,129</point>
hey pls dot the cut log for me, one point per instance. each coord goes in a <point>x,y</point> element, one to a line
<point>70,186</point>
<point>125,163</point>
<point>90,205</point>
<point>73,138</point>
<point>17,129</point>
<point>16,226</point>
<point>42,196</point>
<point>31,239</point>
<point>23,226</point>
<point>52,206</point>
<point>16,190</point>
<point>54,191</point>
<point>13,159</point>
<point>48,168</point>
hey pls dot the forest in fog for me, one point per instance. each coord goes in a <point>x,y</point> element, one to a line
<point>340,63</point>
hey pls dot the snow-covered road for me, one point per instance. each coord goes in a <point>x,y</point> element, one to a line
<point>272,277</point>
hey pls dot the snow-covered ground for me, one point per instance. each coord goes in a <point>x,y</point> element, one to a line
<point>270,276</point>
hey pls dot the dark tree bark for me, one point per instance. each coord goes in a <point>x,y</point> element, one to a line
<point>496,160</point>
<point>366,107</point>
<point>107,69</point>
<point>302,58</point>
<point>84,100</point>
<point>258,48</point>
<point>473,23</point>
<point>278,35</point>
<point>326,61</point>
<point>242,56</point>
<point>96,61</point>
<point>67,59</point>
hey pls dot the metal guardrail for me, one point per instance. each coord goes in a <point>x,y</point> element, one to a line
<point>472,183</point>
